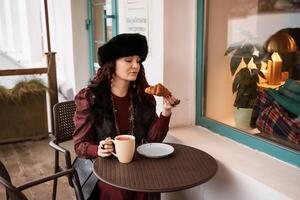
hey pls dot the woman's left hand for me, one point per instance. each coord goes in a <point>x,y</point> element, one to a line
<point>167,107</point>
<point>105,148</point>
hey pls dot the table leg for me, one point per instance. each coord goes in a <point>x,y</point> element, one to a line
<point>154,196</point>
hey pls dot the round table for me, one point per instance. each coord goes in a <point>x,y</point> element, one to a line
<point>185,168</point>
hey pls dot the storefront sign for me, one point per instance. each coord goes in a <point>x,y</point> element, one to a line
<point>137,16</point>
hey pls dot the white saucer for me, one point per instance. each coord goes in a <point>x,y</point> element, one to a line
<point>155,150</point>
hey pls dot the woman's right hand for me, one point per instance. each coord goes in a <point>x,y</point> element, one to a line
<point>105,148</point>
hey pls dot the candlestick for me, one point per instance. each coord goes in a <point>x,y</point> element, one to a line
<point>274,69</point>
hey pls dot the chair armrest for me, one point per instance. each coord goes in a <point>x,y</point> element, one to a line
<point>11,188</point>
<point>66,152</point>
<point>54,145</point>
<point>55,176</point>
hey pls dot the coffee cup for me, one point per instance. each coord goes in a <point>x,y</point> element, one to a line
<point>124,147</point>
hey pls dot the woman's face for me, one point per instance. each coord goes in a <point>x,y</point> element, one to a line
<point>127,68</point>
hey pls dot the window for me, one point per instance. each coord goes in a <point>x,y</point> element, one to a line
<point>241,39</point>
<point>22,38</point>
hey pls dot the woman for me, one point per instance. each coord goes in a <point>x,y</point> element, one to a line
<point>115,103</point>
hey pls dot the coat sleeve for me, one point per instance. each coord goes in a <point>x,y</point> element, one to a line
<point>159,129</point>
<point>84,136</point>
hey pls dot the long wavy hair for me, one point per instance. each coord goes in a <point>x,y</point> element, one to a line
<point>136,89</point>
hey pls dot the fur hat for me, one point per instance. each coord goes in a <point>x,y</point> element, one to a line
<point>126,44</point>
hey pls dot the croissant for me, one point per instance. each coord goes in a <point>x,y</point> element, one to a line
<point>160,90</point>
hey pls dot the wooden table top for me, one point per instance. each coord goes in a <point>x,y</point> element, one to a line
<point>185,168</point>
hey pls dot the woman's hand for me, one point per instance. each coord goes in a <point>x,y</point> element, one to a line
<point>167,107</point>
<point>105,148</point>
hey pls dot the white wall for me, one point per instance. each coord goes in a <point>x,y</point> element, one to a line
<point>80,44</point>
<point>180,57</point>
<point>70,42</point>
<point>155,63</point>
<point>61,33</point>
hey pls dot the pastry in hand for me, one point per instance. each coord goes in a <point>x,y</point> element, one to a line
<point>160,90</point>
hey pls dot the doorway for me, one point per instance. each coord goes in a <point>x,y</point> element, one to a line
<point>102,25</point>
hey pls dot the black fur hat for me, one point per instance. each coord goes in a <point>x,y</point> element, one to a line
<point>126,44</point>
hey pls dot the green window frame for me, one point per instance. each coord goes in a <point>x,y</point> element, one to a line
<point>268,147</point>
<point>90,28</point>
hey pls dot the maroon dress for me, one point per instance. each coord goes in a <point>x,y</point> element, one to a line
<point>85,146</point>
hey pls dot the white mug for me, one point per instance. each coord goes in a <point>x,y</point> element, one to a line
<point>124,148</point>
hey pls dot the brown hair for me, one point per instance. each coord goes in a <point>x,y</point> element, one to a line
<point>137,89</point>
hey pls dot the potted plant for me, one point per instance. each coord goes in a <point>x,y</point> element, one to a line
<point>23,111</point>
<point>245,66</point>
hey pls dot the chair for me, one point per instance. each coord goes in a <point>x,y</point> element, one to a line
<point>63,129</point>
<point>15,192</point>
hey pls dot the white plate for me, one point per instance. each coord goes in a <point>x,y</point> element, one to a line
<point>155,150</point>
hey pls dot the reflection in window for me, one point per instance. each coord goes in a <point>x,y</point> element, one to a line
<point>260,40</point>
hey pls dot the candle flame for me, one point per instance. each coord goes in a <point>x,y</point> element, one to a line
<point>276,57</point>
<point>251,64</point>
<point>256,52</point>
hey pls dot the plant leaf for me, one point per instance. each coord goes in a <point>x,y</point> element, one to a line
<point>245,51</point>
<point>258,47</point>
<point>239,95</point>
<point>247,60</point>
<point>235,83</point>
<point>253,72</point>
<point>234,64</point>
<point>229,50</point>
<point>245,84</point>
<point>232,47</point>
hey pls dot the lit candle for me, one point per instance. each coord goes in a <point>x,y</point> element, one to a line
<point>251,64</point>
<point>274,69</point>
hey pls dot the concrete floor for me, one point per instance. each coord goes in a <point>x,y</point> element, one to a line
<point>31,160</point>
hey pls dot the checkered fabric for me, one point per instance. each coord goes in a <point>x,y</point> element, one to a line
<point>271,118</point>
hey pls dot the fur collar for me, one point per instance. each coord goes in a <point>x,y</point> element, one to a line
<point>103,117</point>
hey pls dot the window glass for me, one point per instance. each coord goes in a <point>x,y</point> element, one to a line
<point>23,39</point>
<point>252,49</point>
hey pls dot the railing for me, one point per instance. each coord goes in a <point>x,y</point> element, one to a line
<point>26,71</point>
